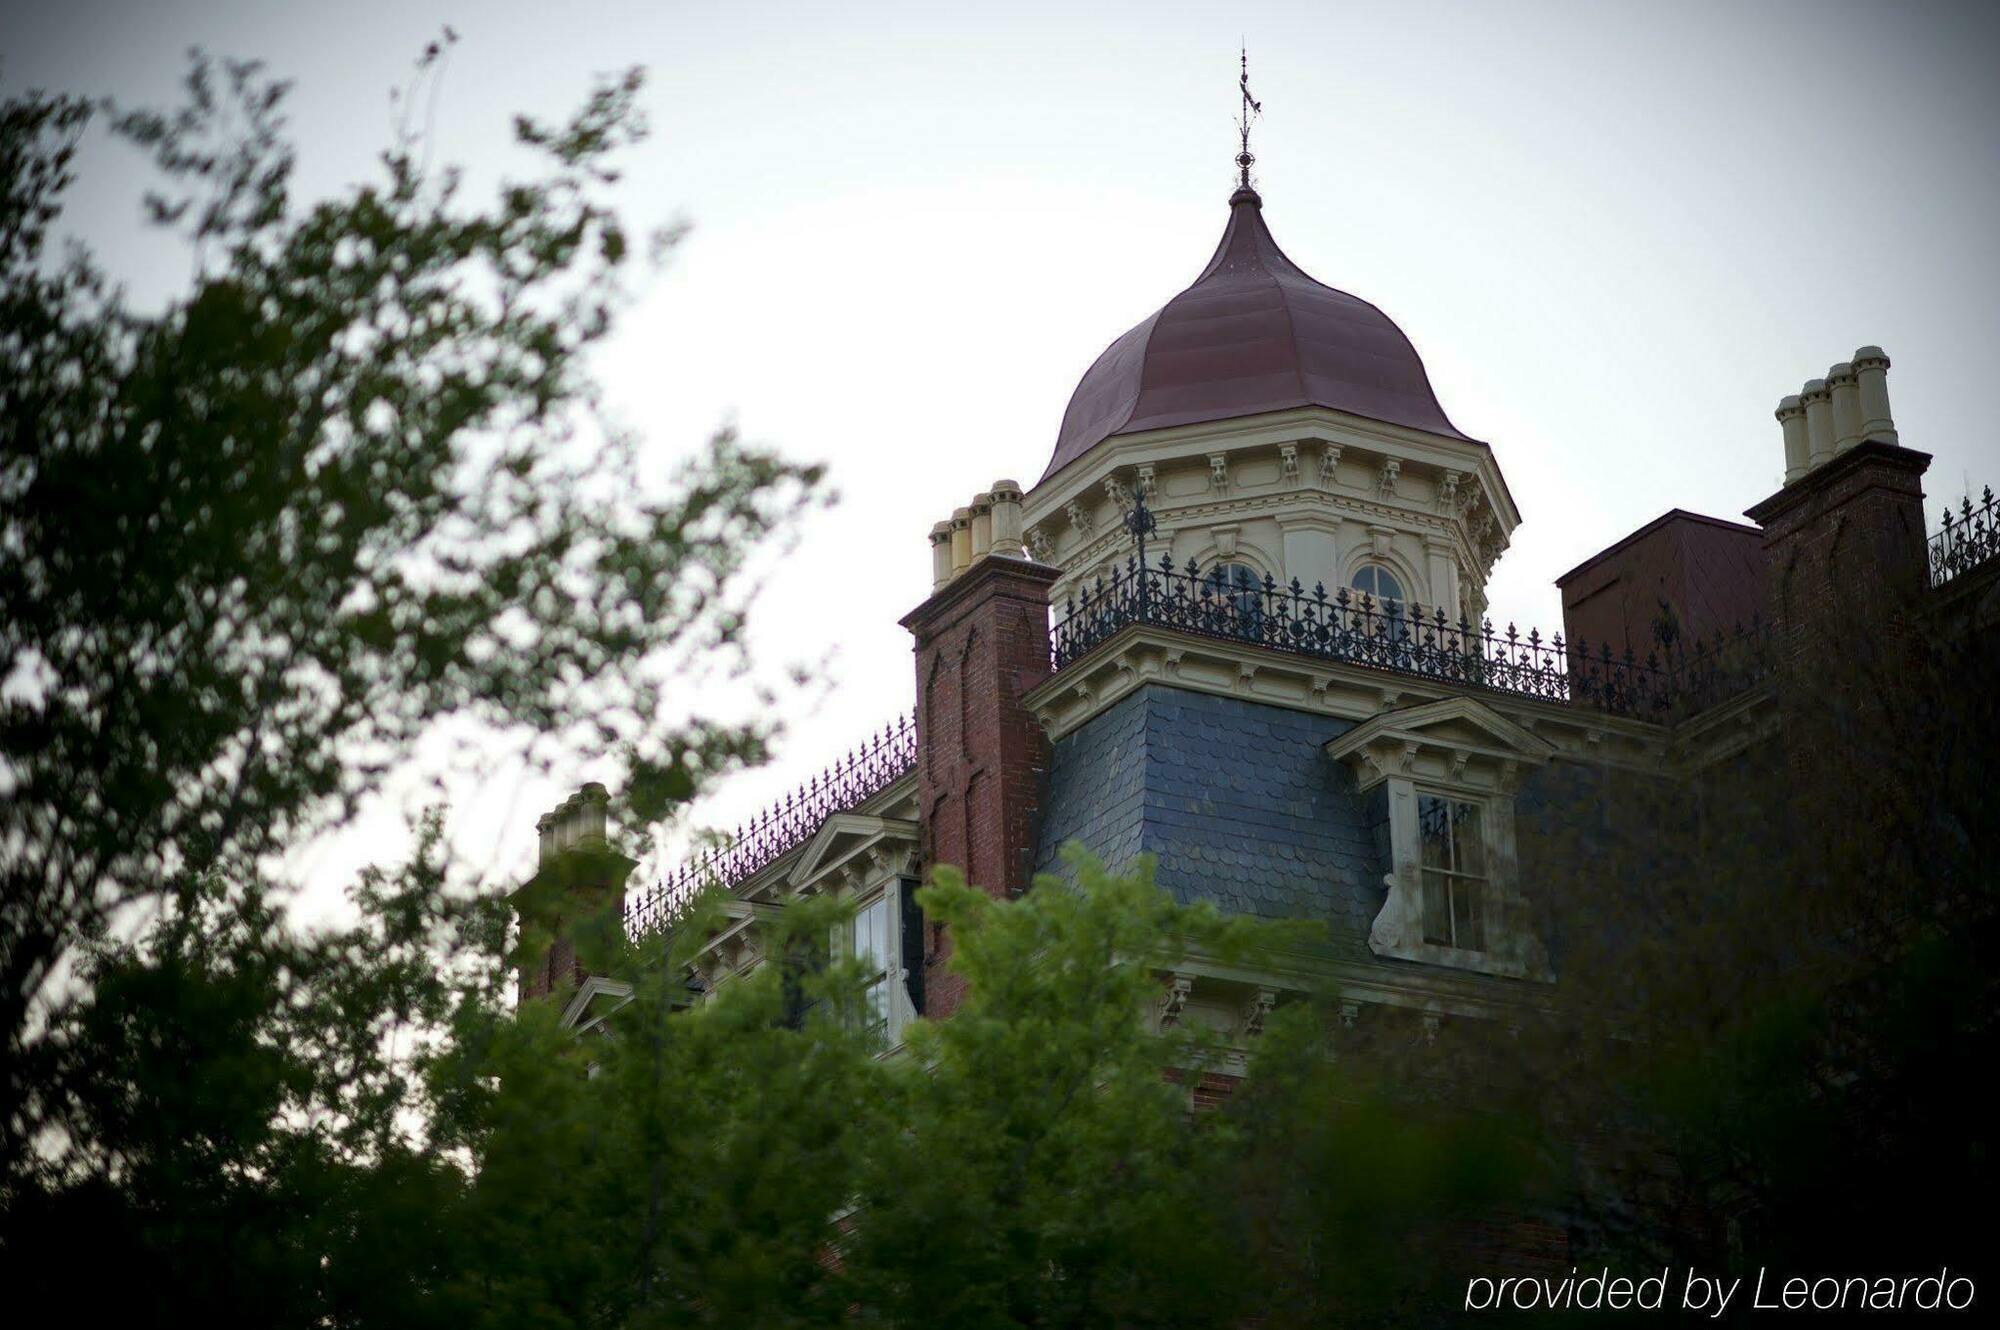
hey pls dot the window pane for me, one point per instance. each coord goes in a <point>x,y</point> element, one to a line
<point>1469,914</point>
<point>871,934</point>
<point>1437,909</point>
<point>1379,582</point>
<point>1468,840</point>
<point>878,1005</point>
<point>1434,827</point>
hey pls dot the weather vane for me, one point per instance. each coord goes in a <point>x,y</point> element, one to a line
<point>1251,106</point>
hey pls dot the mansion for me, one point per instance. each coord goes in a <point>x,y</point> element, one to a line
<point>1238,624</point>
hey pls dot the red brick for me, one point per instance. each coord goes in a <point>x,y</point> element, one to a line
<point>982,642</point>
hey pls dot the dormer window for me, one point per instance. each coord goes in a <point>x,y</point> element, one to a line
<point>1442,777</point>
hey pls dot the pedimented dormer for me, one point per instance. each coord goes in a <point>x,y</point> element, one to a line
<point>1456,741</point>
<point>854,851</point>
<point>1277,428</point>
<point>1443,777</point>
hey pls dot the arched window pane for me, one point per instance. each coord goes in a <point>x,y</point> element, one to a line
<point>1238,576</point>
<point>1242,592</point>
<point>1377,581</point>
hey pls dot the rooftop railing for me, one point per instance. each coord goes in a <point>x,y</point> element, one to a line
<point>873,766</point>
<point>1678,677</point>
<point>1966,539</point>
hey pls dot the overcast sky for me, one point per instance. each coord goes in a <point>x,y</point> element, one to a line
<point>1616,232</point>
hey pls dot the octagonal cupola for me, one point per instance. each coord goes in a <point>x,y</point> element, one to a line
<point>1277,427</point>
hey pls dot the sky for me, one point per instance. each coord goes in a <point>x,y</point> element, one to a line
<point>1616,232</point>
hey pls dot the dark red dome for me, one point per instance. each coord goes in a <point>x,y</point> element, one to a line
<point>1253,334</point>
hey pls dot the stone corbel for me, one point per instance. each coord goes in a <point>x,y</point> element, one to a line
<point>1040,547</point>
<point>1148,487</point>
<point>1174,1001</point>
<point>1114,490</point>
<point>1350,1012</point>
<point>1447,499</point>
<point>1329,463</point>
<point>1256,1010</point>
<point>1432,1020</point>
<point>1079,517</point>
<point>1288,463</point>
<point>1386,484</point>
<point>1218,472</point>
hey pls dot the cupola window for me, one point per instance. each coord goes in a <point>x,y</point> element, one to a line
<point>1241,592</point>
<point>1376,581</point>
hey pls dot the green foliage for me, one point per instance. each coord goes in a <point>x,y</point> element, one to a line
<point>1048,1170</point>
<point>352,484</point>
<point>233,1110</point>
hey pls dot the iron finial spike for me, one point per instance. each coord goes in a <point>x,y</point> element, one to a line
<point>1251,106</point>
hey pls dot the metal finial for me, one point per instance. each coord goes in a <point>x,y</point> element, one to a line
<point>1251,106</point>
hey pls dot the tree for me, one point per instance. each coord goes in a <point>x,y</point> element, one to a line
<point>1786,977</point>
<point>351,485</point>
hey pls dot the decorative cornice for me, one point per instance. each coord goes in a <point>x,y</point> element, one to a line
<point>1140,654</point>
<point>1298,425</point>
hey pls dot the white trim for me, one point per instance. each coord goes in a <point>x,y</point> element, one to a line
<point>591,989</point>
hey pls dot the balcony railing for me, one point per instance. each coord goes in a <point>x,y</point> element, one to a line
<point>870,768</point>
<point>1677,678</point>
<point>1966,539</point>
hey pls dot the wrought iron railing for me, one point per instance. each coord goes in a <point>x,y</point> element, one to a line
<point>1676,678</point>
<point>1967,540</point>
<point>873,766</point>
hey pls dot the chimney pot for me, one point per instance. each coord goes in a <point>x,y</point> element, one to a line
<point>1846,406</point>
<point>982,525</point>
<point>940,554</point>
<point>1819,421</point>
<point>961,540</point>
<point>1792,419</point>
<point>1007,518</point>
<point>1871,371</point>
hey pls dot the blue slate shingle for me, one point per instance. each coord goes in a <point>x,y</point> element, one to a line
<point>1235,799</point>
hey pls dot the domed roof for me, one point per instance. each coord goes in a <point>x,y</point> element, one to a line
<point>1253,334</point>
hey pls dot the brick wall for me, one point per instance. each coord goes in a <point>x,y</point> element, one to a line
<point>981,643</point>
<point>1847,577</point>
<point>1710,574</point>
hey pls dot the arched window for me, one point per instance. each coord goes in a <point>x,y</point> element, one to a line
<point>1373,579</point>
<point>1382,627</point>
<point>1242,593</point>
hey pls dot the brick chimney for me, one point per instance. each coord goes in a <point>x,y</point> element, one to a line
<point>1847,568</point>
<point>579,876</point>
<point>982,641</point>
